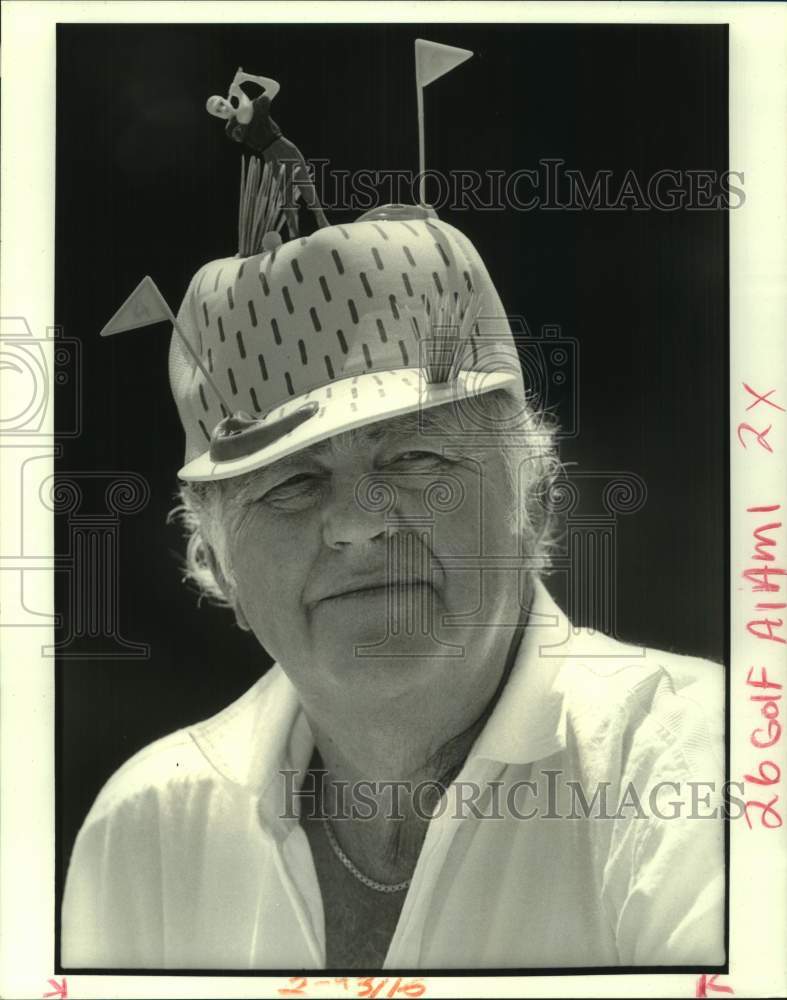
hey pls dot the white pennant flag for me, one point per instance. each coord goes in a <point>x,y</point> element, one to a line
<point>433,60</point>
<point>145,306</point>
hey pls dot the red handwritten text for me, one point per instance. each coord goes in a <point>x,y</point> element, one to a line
<point>766,578</point>
<point>60,988</point>
<point>763,738</point>
<point>708,983</point>
<point>760,435</point>
<point>765,621</point>
<point>367,986</point>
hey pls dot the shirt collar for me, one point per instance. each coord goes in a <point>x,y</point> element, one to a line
<point>265,731</point>
<point>528,723</point>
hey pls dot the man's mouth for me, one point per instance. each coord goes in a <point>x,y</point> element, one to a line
<point>391,588</point>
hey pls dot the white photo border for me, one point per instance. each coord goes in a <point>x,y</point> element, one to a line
<point>758,358</point>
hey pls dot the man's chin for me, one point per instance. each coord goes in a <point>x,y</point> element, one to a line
<point>369,648</point>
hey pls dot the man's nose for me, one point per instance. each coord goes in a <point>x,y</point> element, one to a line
<point>351,516</point>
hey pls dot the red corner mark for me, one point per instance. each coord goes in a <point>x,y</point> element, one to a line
<point>704,984</point>
<point>60,989</point>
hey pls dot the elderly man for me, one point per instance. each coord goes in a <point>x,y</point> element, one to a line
<point>438,771</point>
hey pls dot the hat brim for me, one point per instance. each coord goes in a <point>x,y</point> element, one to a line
<point>350,403</point>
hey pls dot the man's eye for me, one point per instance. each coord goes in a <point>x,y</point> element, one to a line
<point>418,460</point>
<point>293,493</point>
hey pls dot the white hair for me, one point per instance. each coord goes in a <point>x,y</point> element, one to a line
<point>525,438</point>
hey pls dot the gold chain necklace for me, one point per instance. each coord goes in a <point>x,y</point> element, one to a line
<point>354,870</point>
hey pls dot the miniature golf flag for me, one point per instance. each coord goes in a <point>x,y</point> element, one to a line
<point>146,306</point>
<point>143,307</point>
<point>433,60</point>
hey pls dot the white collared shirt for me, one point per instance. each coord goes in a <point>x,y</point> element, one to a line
<point>185,861</point>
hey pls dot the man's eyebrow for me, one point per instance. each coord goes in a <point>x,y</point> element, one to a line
<point>394,428</point>
<point>257,480</point>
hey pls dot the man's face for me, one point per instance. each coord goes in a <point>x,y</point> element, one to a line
<point>350,557</point>
<point>220,107</point>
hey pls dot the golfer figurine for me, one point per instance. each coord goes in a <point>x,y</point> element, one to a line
<point>249,122</point>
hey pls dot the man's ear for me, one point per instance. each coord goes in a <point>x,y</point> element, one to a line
<point>225,587</point>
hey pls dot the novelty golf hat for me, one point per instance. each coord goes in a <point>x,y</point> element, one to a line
<point>354,324</point>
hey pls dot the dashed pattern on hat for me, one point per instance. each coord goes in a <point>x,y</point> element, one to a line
<point>346,300</point>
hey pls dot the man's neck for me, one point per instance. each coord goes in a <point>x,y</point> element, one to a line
<point>397,775</point>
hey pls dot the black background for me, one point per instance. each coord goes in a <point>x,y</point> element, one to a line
<point>147,184</point>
